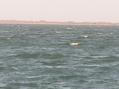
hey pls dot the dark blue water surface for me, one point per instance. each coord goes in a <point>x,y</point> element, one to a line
<point>42,57</point>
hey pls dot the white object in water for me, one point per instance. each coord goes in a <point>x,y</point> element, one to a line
<point>85,36</point>
<point>58,32</point>
<point>74,44</point>
<point>8,38</point>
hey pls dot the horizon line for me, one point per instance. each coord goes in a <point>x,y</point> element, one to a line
<point>46,22</point>
<point>67,21</point>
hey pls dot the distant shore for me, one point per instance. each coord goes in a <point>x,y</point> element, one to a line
<point>42,22</point>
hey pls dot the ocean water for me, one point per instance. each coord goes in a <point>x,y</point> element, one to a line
<point>41,57</point>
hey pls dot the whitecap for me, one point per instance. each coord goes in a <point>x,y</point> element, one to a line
<point>85,36</point>
<point>74,43</point>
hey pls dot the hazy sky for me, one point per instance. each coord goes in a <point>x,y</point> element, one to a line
<point>61,10</point>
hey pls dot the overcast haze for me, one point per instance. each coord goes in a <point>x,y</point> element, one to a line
<point>60,10</point>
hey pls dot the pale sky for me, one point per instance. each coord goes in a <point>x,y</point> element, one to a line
<point>60,10</point>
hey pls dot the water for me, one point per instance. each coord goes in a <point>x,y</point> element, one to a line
<point>41,57</point>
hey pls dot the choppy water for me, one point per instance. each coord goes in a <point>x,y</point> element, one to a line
<point>41,57</point>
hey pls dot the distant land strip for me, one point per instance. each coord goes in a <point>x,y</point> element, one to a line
<point>43,22</point>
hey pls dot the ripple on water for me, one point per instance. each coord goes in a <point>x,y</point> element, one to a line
<point>2,85</point>
<point>102,60</point>
<point>40,55</point>
<point>21,85</point>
